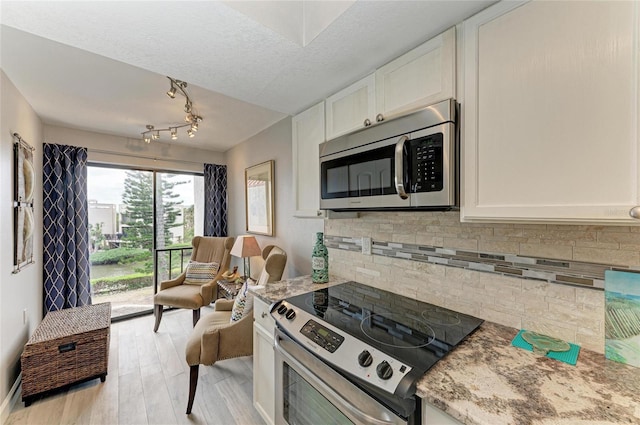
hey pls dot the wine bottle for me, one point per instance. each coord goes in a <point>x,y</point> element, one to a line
<point>320,261</point>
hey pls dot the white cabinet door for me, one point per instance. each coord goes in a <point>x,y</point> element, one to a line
<point>431,415</point>
<point>347,110</point>
<point>421,77</point>
<point>307,133</point>
<point>550,112</point>
<point>263,362</point>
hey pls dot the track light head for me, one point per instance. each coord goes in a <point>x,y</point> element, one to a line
<point>174,133</point>
<point>172,92</point>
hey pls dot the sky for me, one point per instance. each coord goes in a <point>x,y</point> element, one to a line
<point>106,185</point>
<point>623,282</point>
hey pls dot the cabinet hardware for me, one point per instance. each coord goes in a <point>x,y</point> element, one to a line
<point>263,315</point>
<point>635,212</point>
<point>367,122</point>
<point>66,347</point>
<point>379,118</point>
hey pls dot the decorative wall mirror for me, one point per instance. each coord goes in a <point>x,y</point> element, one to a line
<point>259,198</point>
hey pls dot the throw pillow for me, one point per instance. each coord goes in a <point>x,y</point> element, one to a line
<point>243,304</point>
<point>200,273</point>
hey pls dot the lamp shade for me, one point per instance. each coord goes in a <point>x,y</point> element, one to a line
<point>245,246</point>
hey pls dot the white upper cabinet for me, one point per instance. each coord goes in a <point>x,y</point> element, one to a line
<point>423,76</point>
<point>550,112</point>
<point>307,134</point>
<point>352,108</point>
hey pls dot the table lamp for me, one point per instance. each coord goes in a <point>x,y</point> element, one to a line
<point>245,247</point>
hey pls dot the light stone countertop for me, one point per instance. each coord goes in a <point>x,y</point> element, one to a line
<point>272,292</point>
<point>487,381</point>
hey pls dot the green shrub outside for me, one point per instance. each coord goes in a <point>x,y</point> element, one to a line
<point>107,285</point>
<point>141,279</point>
<point>119,256</point>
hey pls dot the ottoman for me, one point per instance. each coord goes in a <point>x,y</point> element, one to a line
<point>68,346</point>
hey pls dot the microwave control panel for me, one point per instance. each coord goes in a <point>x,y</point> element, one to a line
<point>427,163</point>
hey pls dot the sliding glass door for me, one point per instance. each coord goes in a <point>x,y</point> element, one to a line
<point>131,213</point>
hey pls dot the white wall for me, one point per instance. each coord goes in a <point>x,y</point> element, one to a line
<point>133,152</point>
<point>22,290</point>
<point>296,236</point>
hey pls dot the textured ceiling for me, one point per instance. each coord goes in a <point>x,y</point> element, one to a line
<point>102,65</point>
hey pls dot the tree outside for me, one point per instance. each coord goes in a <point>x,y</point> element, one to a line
<point>137,220</point>
<point>122,258</point>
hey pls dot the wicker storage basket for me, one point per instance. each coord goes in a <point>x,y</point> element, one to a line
<point>68,346</point>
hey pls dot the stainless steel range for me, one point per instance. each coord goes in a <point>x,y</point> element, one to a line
<point>352,353</point>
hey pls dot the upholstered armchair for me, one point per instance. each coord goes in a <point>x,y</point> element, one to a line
<point>227,332</point>
<point>197,285</point>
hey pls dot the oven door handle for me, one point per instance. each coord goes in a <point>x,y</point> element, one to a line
<point>313,368</point>
<point>399,167</point>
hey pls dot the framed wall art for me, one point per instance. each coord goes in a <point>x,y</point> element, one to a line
<point>259,198</point>
<point>622,316</point>
<point>23,194</point>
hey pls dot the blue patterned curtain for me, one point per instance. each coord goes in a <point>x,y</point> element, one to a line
<point>66,233</point>
<point>215,200</point>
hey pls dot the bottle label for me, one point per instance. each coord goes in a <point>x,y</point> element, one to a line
<point>317,263</point>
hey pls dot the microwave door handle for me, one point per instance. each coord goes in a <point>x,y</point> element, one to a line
<point>399,171</point>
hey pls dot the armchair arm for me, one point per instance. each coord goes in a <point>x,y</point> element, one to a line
<point>209,346</point>
<point>173,282</point>
<point>221,342</point>
<point>224,305</point>
<point>208,289</point>
<point>236,339</point>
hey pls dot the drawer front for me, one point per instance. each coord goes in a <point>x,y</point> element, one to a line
<point>262,317</point>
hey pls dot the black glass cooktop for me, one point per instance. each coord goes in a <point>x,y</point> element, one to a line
<point>412,331</point>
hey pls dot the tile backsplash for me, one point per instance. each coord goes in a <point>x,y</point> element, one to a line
<point>541,277</point>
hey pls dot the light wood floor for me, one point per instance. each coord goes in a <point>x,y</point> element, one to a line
<point>148,383</point>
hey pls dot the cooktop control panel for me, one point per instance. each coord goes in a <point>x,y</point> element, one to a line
<point>322,336</point>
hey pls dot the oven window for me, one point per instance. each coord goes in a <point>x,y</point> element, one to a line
<point>304,405</point>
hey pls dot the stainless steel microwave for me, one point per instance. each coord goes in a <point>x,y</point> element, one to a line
<point>409,162</point>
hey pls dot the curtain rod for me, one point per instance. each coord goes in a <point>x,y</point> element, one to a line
<point>22,142</point>
<point>143,157</point>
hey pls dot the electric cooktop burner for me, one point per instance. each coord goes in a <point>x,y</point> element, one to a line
<point>413,332</point>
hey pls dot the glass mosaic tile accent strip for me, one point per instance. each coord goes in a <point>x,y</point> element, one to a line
<point>565,272</point>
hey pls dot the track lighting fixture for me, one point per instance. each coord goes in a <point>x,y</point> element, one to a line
<point>192,119</point>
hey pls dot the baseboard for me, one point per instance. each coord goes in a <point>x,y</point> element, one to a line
<point>10,400</point>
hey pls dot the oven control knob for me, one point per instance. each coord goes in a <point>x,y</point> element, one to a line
<point>290,314</point>
<point>282,309</point>
<point>365,359</point>
<point>384,370</point>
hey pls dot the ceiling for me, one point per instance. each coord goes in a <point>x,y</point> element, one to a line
<point>102,65</point>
